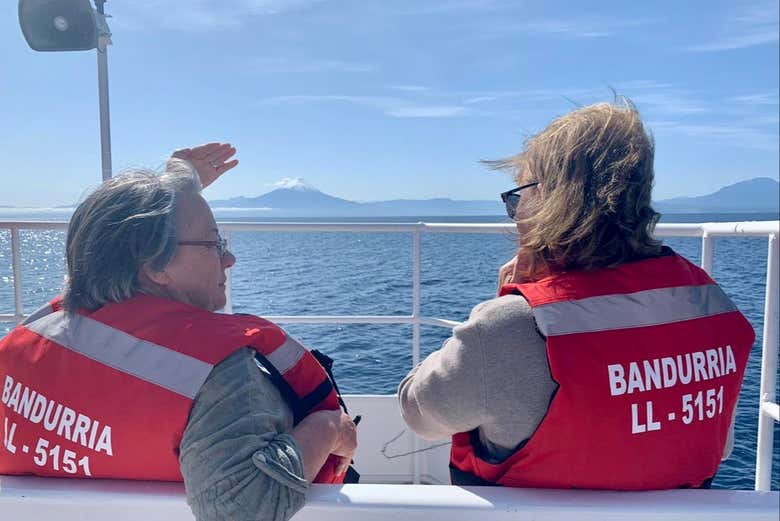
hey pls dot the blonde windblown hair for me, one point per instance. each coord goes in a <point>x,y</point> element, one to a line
<point>595,169</point>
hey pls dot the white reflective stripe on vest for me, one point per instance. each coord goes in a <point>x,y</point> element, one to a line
<point>150,362</point>
<point>641,309</point>
<point>286,355</point>
<point>38,313</point>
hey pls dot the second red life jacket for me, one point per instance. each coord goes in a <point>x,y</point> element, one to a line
<point>649,358</point>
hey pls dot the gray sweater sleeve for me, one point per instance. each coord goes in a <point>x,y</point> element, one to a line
<point>491,375</point>
<point>238,457</point>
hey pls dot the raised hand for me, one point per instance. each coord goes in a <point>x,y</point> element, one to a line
<point>210,160</point>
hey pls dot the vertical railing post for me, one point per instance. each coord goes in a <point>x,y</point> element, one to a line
<point>416,276</point>
<point>706,252</point>
<point>229,282</point>
<point>768,370</point>
<point>16,262</point>
<point>416,299</point>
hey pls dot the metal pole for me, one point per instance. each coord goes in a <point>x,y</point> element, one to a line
<point>16,261</point>
<point>104,40</point>
<point>416,278</point>
<point>768,369</point>
<point>706,252</point>
<point>229,282</point>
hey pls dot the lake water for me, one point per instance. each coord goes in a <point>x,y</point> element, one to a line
<point>371,274</point>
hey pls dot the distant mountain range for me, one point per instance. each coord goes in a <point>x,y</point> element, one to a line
<point>301,200</point>
<point>298,199</point>
<point>761,194</point>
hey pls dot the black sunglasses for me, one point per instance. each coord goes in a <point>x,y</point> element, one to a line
<point>512,197</point>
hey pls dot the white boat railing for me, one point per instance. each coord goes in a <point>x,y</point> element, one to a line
<point>768,409</point>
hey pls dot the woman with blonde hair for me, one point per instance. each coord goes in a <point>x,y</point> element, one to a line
<point>607,361</point>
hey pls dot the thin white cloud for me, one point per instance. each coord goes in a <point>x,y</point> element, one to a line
<point>736,135</point>
<point>432,7</point>
<point>757,25</point>
<point>578,28</point>
<point>767,119</point>
<point>198,15</point>
<point>479,99</point>
<point>410,88</point>
<point>370,101</point>
<point>682,108</point>
<point>643,84</point>
<point>738,121</point>
<point>390,106</point>
<point>764,13</point>
<point>426,112</point>
<point>647,94</point>
<point>533,96</point>
<point>563,27</point>
<point>757,98</point>
<point>669,102</point>
<point>270,6</point>
<point>651,95</point>
<point>284,65</point>
<point>738,42</point>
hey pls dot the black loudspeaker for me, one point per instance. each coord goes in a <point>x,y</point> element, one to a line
<point>58,25</point>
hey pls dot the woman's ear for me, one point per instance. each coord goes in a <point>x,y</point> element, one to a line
<point>151,278</point>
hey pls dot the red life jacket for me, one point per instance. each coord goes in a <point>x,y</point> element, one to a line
<point>649,358</point>
<point>108,394</point>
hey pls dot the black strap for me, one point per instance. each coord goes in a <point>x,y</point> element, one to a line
<point>311,400</point>
<point>327,362</point>
<point>286,390</point>
<point>467,479</point>
<point>301,406</point>
<point>706,484</point>
<point>352,475</point>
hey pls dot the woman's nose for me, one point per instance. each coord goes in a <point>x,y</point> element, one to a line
<point>228,259</point>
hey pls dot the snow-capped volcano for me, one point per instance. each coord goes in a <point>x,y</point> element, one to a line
<point>293,196</point>
<point>292,183</point>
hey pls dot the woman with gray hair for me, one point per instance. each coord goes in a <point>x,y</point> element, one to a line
<point>132,375</point>
<point>607,361</point>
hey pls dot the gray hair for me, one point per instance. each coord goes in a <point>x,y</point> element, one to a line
<point>127,222</point>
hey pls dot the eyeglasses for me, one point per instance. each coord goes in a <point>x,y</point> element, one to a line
<point>511,199</point>
<point>220,244</point>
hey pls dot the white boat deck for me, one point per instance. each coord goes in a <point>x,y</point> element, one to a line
<point>386,466</point>
<point>42,499</point>
<point>404,475</point>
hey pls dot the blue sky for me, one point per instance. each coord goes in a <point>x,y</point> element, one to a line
<point>380,99</point>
